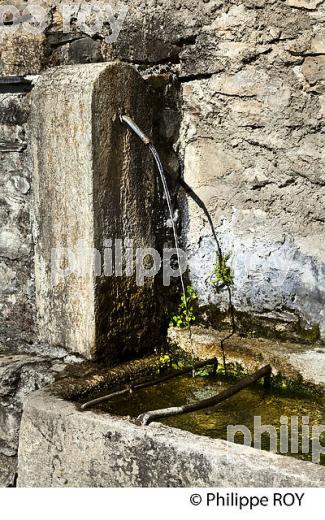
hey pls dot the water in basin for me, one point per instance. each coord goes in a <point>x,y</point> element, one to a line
<point>240,409</point>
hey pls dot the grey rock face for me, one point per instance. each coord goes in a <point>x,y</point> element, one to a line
<point>16,251</point>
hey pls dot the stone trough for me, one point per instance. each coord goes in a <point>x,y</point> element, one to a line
<point>62,446</point>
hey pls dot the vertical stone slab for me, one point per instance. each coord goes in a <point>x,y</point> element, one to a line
<point>93,181</point>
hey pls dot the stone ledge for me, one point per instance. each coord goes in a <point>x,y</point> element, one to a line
<point>294,361</point>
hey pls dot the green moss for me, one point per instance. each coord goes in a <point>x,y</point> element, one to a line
<point>295,387</point>
<point>234,371</point>
<point>280,384</point>
<point>221,271</point>
<point>310,335</point>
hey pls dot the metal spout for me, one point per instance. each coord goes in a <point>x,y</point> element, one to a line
<point>135,128</point>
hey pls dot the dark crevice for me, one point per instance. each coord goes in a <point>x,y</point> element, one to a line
<point>195,77</point>
<point>306,54</point>
<point>240,96</point>
<point>15,85</point>
<point>311,181</point>
<point>261,185</point>
<point>302,8</point>
<point>14,481</point>
<point>172,60</point>
<point>251,59</point>
<point>56,41</point>
<point>187,40</point>
<point>260,145</point>
<point>252,126</point>
<point>7,146</point>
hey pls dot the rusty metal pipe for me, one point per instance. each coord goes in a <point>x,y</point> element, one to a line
<point>126,119</point>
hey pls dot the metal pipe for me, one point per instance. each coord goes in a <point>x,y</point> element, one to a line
<point>126,119</point>
<point>156,157</point>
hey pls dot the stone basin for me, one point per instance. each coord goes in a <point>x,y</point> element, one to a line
<point>62,446</point>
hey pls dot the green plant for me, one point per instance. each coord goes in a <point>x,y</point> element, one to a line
<point>185,313</point>
<point>221,271</point>
<point>165,360</point>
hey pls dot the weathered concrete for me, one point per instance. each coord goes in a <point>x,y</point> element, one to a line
<point>93,183</point>
<point>62,447</point>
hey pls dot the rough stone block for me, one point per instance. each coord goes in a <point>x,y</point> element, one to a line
<point>21,374</point>
<point>14,109</point>
<point>314,71</point>
<point>318,43</point>
<point>21,54</point>
<point>16,269</point>
<point>9,424</point>
<point>304,4</point>
<point>93,181</point>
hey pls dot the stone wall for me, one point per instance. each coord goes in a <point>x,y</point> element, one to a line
<point>241,88</point>
<point>16,250</point>
<point>253,146</point>
<point>252,78</point>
